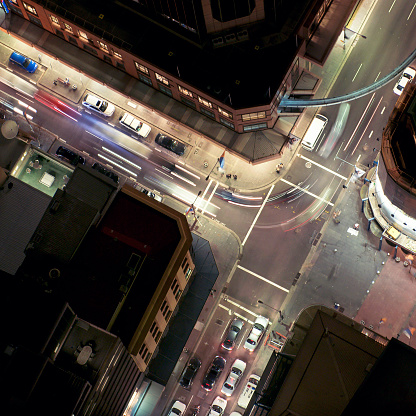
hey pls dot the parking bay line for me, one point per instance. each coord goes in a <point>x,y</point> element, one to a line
<point>263,278</point>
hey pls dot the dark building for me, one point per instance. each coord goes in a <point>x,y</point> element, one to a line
<point>232,61</point>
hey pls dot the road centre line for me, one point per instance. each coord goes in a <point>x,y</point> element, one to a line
<point>309,193</point>
<point>257,216</point>
<point>322,167</point>
<point>392,5</point>
<point>408,17</point>
<point>264,279</point>
<point>359,122</point>
<point>357,72</point>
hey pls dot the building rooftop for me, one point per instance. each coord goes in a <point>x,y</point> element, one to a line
<point>238,74</point>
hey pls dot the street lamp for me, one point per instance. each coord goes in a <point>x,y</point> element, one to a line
<point>212,169</point>
<point>271,307</point>
<point>353,31</point>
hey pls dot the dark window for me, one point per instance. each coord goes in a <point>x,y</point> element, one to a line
<point>35,20</point>
<point>16,10</point>
<point>72,40</point>
<point>255,127</point>
<point>120,65</point>
<point>107,59</point>
<point>60,33</point>
<point>146,80</point>
<point>227,123</point>
<point>226,10</point>
<point>207,112</point>
<point>90,50</point>
<point>165,90</point>
<point>189,103</point>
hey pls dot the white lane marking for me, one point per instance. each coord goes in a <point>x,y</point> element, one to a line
<point>121,157</point>
<point>392,5</point>
<point>257,216</point>
<point>357,72</point>
<point>309,193</point>
<point>164,173</point>
<point>322,167</point>
<point>372,131</point>
<point>358,158</point>
<point>366,127</point>
<point>264,279</point>
<point>187,171</point>
<point>236,313</point>
<point>210,197</point>
<point>408,17</point>
<point>382,111</point>
<point>129,103</point>
<point>361,119</point>
<point>183,179</point>
<point>98,137</point>
<point>116,164</point>
<point>377,76</point>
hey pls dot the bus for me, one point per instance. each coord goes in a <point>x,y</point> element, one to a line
<point>314,132</point>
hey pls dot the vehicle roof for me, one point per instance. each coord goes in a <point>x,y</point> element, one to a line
<point>240,364</point>
<point>91,99</point>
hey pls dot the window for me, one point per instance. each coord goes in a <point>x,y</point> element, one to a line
<point>142,349</point>
<point>146,80</point>
<point>207,112</point>
<point>68,28</point>
<point>162,79</point>
<point>255,127</point>
<point>103,46</point>
<point>35,20</point>
<point>16,10</point>
<point>173,284</point>
<point>184,91</point>
<point>73,40</point>
<point>165,90</point>
<point>60,33</point>
<point>82,35</point>
<point>253,116</point>
<point>117,55</point>
<point>29,8</point>
<point>107,59</point>
<point>178,294</point>
<point>152,327</point>
<point>158,335</point>
<point>54,20</point>
<point>154,330</point>
<point>120,65</point>
<point>91,50</point>
<point>141,68</point>
<point>14,2</point>
<point>205,102</point>
<point>188,102</point>
<point>147,359</point>
<point>227,123</point>
<point>225,113</point>
<point>188,273</point>
<point>183,263</point>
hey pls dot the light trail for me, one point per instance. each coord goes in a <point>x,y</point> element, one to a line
<point>116,164</point>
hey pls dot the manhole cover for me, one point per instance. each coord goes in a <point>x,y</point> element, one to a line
<point>205,164</point>
<point>308,165</point>
<point>219,321</point>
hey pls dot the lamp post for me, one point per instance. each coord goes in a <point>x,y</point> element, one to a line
<point>271,307</point>
<point>353,31</point>
<point>192,205</point>
<point>212,169</point>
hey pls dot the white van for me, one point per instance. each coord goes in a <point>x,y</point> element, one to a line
<point>314,132</point>
<point>135,124</point>
<point>248,391</point>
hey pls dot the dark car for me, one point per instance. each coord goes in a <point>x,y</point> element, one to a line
<point>26,63</point>
<point>105,172</point>
<point>69,156</point>
<point>232,334</point>
<point>170,144</point>
<point>190,372</point>
<point>213,373</point>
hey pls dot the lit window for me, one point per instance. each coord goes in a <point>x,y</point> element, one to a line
<point>102,46</point>
<point>188,273</point>
<point>162,79</point>
<point>55,20</point>
<point>141,68</point>
<point>82,35</point>
<point>117,55</point>
<point>253,116</point>
<point>184,91</point>
<point>67,27</point>
<point>225,113</point>
<point>205,102</point>
<point>14,2</point>
<point>29,8</point>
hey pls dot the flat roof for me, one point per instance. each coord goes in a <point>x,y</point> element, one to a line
<point>242,71</point>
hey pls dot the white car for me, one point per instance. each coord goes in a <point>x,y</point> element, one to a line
<point>407,76</point>
<point>178,409</point>
<point>234,377</point>
<point>248,391</point>
<point>254,337</point>
<point>97,104</point>
<point>135,124</point>
<point>218,406</point>
<point>235,414</point>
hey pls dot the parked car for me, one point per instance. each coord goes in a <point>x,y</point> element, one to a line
<point>178,409</point>
<point>135,124</point>
<point>256,333</point>
<point>406,77</point>
<point>232,334</point>
<point>25,63</point>
<point>234,377</point>
<point>218,406</point>
<point>213,373</point>
<point>235,414</point>
<point>151,194</point>
<point>248,391</point>
<point>69,156</point>
<point>97,104</point>
<point>105,172</point>
<point>189,372</point>
<point>170,144</point>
